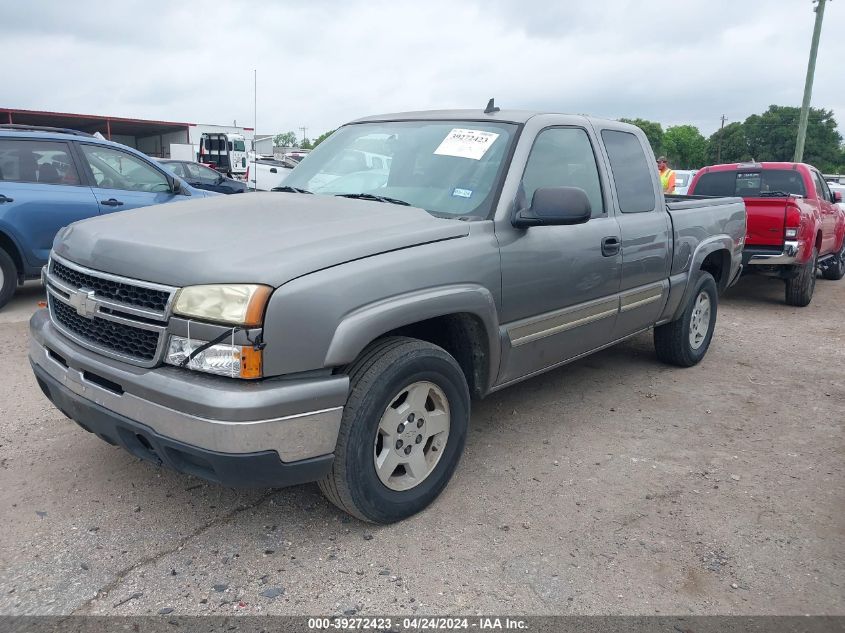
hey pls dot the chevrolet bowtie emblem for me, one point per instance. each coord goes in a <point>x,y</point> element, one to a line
<point>84,302</point>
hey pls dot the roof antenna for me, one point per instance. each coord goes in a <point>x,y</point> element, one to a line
<point>491,108</point>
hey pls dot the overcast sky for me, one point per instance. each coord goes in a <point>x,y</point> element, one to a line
<point>321,63</point>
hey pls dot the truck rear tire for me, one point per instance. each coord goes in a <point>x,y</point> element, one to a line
<point>685,341</point>
<point>402,433</point>
<point>8,277</point>
<point>836,270</point>
<point>799,289</point>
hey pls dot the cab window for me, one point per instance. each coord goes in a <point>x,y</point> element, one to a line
<point>631,173</point>
<point>563,157</point>
<point>45,162</point>
<point>115,169</point>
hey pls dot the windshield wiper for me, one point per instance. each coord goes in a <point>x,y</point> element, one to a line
<point>774,194</point>
<point>369,196</point>
<point>288,189</point>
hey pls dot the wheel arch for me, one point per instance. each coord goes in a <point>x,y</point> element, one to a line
<point>712,255</point>
<point>8,244</point>
<point>461,319</point>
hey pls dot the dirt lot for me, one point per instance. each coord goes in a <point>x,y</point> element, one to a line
<point>615,485</point>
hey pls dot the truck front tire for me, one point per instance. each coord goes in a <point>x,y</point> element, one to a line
<point>800,287</point>
<point>685,341</point>
<point>8,277</point>
<point>403,430</point>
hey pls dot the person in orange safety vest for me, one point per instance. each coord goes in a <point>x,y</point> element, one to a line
<point>667,176</point>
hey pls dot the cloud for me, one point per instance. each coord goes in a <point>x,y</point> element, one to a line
<point>323,63</point>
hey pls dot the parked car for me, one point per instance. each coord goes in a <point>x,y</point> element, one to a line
<point>267,174</point>
<point>836,188</point>
<point>338,337</point>
<point>203,177</point>
<point>683,178</point>
<point>52,177</point>
<point>794,224</point>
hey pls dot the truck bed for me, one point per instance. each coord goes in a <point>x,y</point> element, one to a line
<point>696,219</point>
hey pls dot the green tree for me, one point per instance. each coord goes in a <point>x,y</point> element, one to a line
<point>322,138</point>
<point>653,132</point>
<point>685,147</point>
<point>286,139</point>
<point>772,136</point>
<point>305,144</point>
<point>734,145</point>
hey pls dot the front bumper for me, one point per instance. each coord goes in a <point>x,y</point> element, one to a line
<point>788,255</point>
<point>273,432</point>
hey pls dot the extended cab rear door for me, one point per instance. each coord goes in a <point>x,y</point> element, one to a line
<point>828,212</point>
<point>646,230</point>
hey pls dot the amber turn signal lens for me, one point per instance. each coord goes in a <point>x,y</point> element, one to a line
<point>251,361</point>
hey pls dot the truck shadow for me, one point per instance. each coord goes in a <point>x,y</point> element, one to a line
<point>753,290</point>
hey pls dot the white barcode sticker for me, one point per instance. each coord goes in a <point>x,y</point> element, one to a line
<point>466,143</point>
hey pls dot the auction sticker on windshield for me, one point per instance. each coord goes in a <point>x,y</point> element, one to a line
<point>466,143</point>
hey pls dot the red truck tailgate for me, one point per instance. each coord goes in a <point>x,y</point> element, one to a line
<point>766,217</point>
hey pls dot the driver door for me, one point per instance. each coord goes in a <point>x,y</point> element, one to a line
<point>121,181</point>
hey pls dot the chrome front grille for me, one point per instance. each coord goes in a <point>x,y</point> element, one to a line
<point>115,316</point>
<point>119,291</point>
<point>120,338</point>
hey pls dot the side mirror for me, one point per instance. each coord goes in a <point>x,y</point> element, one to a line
<point>177,189</point>
<point>555,206</point>
<point>837,196</point>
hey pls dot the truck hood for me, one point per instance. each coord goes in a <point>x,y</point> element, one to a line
<point>268,238</point>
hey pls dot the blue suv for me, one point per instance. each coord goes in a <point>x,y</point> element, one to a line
<point>51,177</point>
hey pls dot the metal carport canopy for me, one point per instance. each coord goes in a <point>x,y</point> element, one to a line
<point>105,125</point>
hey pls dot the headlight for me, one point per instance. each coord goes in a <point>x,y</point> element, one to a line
<point>238,304</point>
<point>235,361</point>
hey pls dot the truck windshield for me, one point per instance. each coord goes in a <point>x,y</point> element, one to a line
<point>751,184</point>
<point>449,168</point>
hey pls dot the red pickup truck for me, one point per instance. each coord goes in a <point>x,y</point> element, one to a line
<point>794,224</point>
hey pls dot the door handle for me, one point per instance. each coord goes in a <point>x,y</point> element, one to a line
<point>5,199</point>
<point>610,246</point>
<point>273,170</point>
<point>111,202</point>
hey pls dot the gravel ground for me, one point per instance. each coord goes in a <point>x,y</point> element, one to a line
<point>616,485</point>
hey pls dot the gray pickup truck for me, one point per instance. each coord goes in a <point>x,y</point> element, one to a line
<point>336,330</point>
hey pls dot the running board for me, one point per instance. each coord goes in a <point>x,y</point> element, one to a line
<point>826,262</point>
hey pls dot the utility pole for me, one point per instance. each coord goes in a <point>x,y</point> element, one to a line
<point>719,146</point>
<point>303,132</point>
<point>808,84</point>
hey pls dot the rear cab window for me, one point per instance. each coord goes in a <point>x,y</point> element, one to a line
<point>759,183</point>
<point>821,187</point>
<point>631,174</point>
<point>37,161</point>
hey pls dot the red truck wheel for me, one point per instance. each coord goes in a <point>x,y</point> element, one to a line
<point>836,270</point>
<point>799,289</point>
